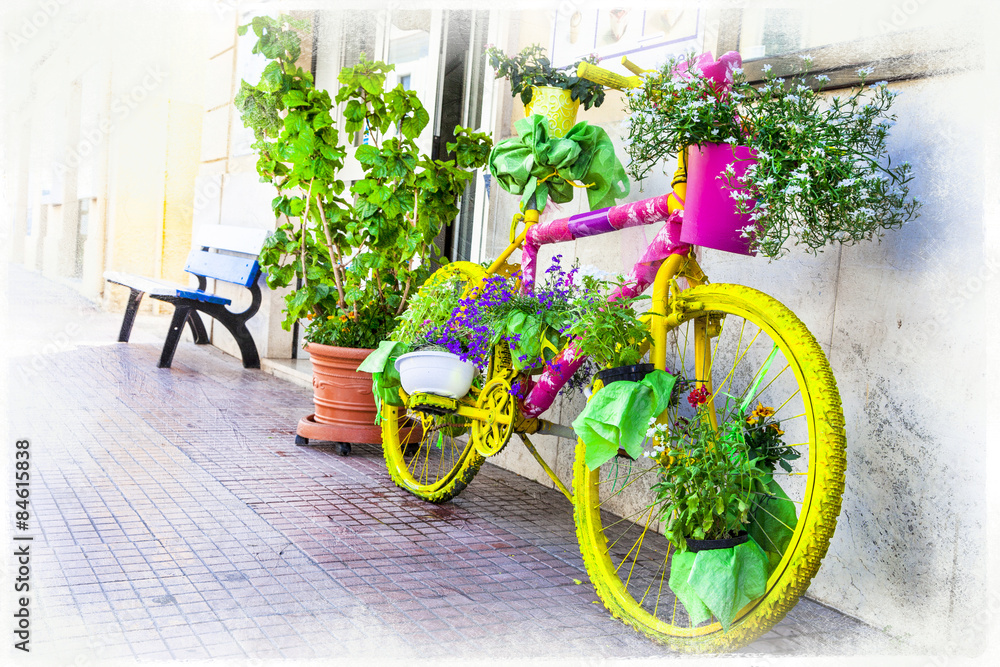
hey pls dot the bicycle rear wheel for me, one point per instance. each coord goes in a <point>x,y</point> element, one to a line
<point>755,344</point>
<point>429,452</point>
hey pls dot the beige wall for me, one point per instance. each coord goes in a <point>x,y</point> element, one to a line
<point>107,101</point>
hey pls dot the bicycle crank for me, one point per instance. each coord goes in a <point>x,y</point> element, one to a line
<point>490,434</point>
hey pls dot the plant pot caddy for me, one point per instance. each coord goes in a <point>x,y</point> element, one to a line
<point>345,408</point>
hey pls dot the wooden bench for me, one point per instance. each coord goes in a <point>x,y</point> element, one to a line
<point>234,260</point>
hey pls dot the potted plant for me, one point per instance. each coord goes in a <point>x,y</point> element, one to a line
<point>553,92</point>
<point>707,492</point>
<point>444,319</point>
<point>609,332</point>
<point>792,164</point>
<point>352,257</point>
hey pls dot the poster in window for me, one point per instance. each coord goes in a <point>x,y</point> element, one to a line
<point>618,31</point>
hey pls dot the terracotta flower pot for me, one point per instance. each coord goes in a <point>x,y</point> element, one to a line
<point>345,406</point>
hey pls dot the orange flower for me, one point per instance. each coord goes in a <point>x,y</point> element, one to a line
<point>760,412</point>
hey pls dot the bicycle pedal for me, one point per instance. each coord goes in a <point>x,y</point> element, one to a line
<point>433,404</point>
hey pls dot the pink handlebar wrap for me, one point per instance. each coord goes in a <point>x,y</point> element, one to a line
<point>592,223</point>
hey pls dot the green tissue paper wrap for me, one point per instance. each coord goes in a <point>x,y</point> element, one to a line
<point>719,582</point>
<point>538,166</point>
<point>773,518</point>
<point>618,416</point>
<point>381,363</point>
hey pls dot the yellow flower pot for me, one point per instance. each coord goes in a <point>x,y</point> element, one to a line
<point>557,105</point>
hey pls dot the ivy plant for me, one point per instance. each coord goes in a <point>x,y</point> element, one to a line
<point>353,256</point>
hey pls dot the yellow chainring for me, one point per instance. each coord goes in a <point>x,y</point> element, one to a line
<point>490,435</point>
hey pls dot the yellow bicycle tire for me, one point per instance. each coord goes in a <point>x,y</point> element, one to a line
<point>823,486</point>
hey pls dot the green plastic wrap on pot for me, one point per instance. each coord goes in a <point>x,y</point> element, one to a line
<point>538,166</point>
<point>773,518</point>
<point>618,416</point>
<point>719,582</point>
<point>385,378</point>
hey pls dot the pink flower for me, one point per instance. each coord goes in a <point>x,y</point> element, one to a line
<point>719,72</point>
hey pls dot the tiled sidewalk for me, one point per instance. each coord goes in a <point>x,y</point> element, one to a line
<point>174,518</point>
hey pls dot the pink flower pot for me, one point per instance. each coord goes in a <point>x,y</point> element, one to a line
<point>710,215</point>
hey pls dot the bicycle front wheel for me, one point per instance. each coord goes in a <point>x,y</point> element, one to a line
<point>750,345</point>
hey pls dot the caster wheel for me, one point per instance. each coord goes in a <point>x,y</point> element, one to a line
<point>299,440</point>
<point>344,448</point>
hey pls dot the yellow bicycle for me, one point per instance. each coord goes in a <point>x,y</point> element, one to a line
<point>730,340</point>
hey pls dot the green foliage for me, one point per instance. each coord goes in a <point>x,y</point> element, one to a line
<point>531,67</point>
<point>762,433</point>
<point>708,481</point>
<point>432,306</point>
<point>609,332</point>
<point>357,255</point>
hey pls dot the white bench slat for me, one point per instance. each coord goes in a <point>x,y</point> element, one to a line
<point>247,240</point>
<point>154,287</point>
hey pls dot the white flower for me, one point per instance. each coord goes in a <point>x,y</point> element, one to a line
<point>807,59</point>
<point>737,70</point>
<point>715,131</point>
<point>822,78</point>
<point>865,71</point>
<point>793,98</point>
<point>730,140</point>
<point>767,68</point>
<point>847,182</point>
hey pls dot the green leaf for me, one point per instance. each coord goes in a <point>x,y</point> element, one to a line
<point>272,79</point>
<point>412,126</point>
<point>368,155</point>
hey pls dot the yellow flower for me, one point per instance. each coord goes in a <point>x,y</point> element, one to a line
<point>776,429</point>
<point>760,412</point>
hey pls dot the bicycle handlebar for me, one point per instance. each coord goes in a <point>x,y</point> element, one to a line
<point>606,77</point>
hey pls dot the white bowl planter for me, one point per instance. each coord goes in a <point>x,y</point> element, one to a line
<point>433,372</point>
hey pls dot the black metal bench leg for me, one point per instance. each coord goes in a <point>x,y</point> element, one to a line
<point>248,350</point>
<point>173,336</point>
<point>133,305</point>
<point>198,329</point>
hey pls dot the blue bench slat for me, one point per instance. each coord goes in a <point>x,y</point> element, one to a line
<point>205,297</point>
<point>232,269</point>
